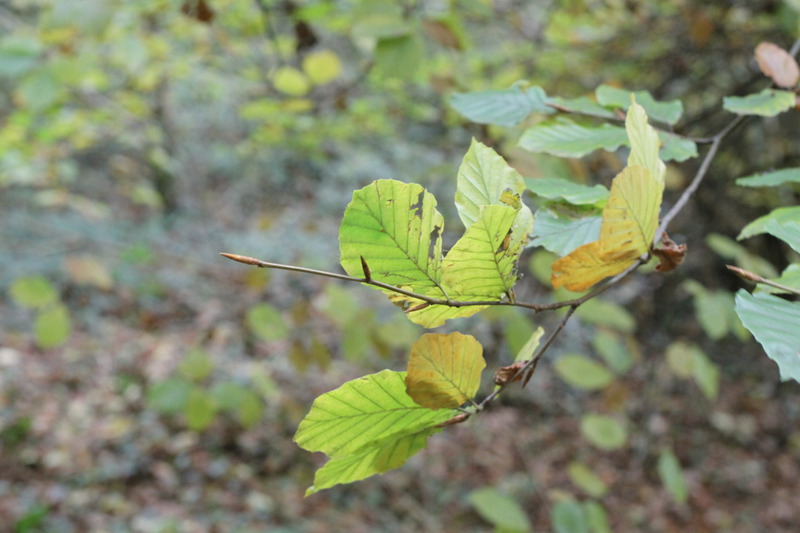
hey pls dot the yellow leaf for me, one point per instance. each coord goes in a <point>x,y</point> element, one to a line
<point>630,217</point>
<point>444,370</point>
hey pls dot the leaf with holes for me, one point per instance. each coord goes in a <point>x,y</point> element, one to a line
<point>444,370</point>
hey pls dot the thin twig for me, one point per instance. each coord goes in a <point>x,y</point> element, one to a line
<point>533,361</point>
<point>698,177</point>
<point>370,281</point>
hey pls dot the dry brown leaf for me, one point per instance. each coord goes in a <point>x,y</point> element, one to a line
<point>669,253</point>
<point>88,270</point>
<point>778,64</point>
<point>503,374</point>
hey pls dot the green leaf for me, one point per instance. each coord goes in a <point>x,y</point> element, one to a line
<point>322,66</point>
<point>676,148</point>
<point>582,105</point>
<point>291,81</point>
<point>52,326</point>
<point>771,179</point>
<point>197,365</point>
<point>444,370</point>
<point>712,309</point>
<point>369,461</point>
<point>706,375</point>
<point>788,232</point>
<point>200,409</point>
<point>582,372</point>
<point>507,107</point>
<point>616,355</point>
<point>482,178</point>
<point>597,517</point>
<point>240,400</point>
<point>780,215</point>
<point>565,138</point>
<point>603,431</point>
<point>399,57</point>
<point>527,351</point>
<point>33,291</point>
<point>568,191</point>
<point>605,313</point>
<point>169,396</point>
<point>669,470</point>
<point>40,89</point>
<point>585,479</point>
<point>499,509</point>
<point>366,412</point>
<point>567,517</point>
<point>767,103</point>
<point>18,55</point>
<point>266,323</point>
<point>667,112</point>
<point>563,234</point>
<point>774,322</point>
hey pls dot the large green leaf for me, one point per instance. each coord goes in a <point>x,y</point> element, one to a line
<point>767,103</point>
<point>774,322</point>
<point>562,234</point>
<point>568,516</point>
<point>396,228</point>
<point>444,370</point>
<point>484,178</point>
<point>369,461</point>
<point>788,232</point>
<point>771,179</point>
<point>371,411</point>
<point>667,112</point>
<point>568,191</point>
<point>603,431</point>
<point>565,138</point>
<point>583,372</point>
<point>781,215</point>
<point>506,107</point>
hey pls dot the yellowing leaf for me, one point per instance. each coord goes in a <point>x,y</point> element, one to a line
<point>630,217</point>
<point>629,223</point>
<point>644,143</point>
<point>444,370</point>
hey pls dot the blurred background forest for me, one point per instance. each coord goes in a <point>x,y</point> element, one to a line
<point>148,385</point>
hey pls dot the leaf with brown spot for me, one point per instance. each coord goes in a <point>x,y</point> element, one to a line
<point>778,64</point>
